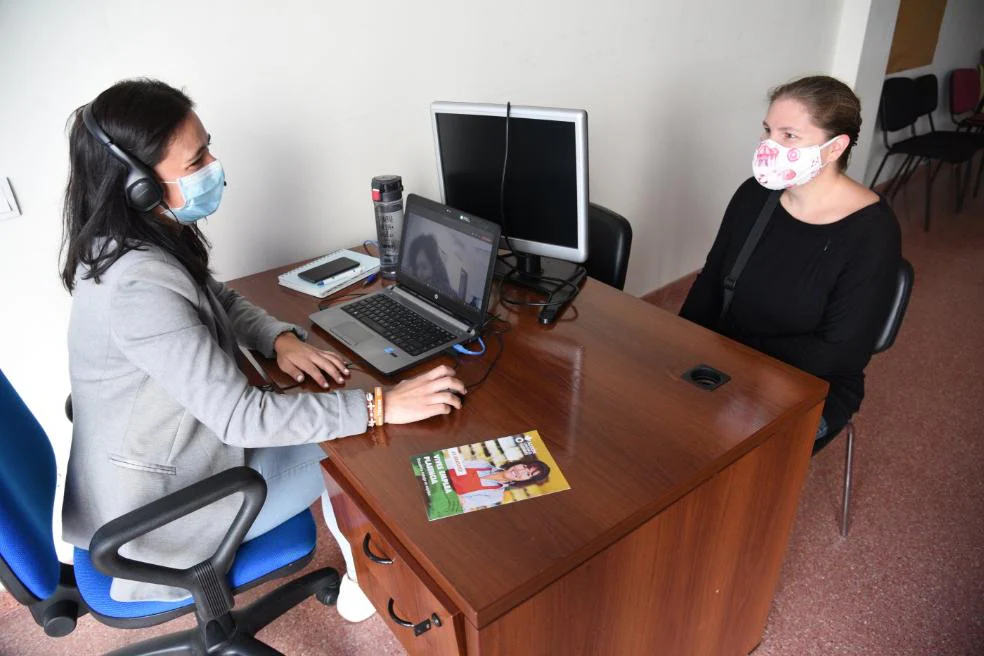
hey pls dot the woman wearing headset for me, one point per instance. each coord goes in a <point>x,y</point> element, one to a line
<point>158,400</point>
<point>817,288</point>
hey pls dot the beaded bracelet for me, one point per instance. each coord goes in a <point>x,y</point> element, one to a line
<point>380,417</point>
<point>371,409</point>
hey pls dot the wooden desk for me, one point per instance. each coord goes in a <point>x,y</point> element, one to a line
<point>673,534</point>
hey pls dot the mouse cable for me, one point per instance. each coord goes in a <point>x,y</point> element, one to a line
<point>495,359</point>
<point>487,334</point>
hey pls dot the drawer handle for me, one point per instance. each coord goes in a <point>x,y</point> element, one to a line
<point>418,629</point>
<point>373,557</point>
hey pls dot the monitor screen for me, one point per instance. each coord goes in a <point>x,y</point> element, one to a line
<point>545,194</point>
<point>445,255</point>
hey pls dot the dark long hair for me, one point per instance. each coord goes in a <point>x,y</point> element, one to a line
<point>542,471</point>
<point>141,116</point>
<point>427,244</point>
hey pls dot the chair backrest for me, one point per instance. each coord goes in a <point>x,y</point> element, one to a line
<point>609,244</point>
<point>900,301</point>
<point>28,562</point>
<point>965,91</point>
<point>899,105</point>
<point>927,96</point>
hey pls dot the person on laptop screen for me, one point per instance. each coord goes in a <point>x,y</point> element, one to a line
<point>427,265</point>
<point>159,402</point>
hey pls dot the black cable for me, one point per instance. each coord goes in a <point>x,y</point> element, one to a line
<point>550,302</point>
<point>502,185</point>
<point>277,389</point>
<point>512,251</point>
<point>497,334</point>
<point>495,359</point>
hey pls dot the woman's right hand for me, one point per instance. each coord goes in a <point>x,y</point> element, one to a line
<point>432,393</point>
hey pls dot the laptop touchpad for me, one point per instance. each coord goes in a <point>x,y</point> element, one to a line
<point>353,333</point>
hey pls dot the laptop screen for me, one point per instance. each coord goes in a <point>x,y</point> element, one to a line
<point>448,257</point>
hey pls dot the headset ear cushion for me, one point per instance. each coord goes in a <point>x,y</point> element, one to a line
<point>143,194</point>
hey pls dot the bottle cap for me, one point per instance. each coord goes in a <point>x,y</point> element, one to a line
<point>386,188</point>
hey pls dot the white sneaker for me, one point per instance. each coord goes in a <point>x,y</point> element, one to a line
<point>353,604</point>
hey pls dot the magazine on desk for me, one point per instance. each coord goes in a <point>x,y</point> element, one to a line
<point>487,474</point>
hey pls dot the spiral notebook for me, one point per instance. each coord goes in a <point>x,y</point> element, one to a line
<point>368,265</point>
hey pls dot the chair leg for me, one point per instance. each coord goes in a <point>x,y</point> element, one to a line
<point>266,609</point>
<point>929,194</point>
<point>912,169</point>
<point>848,464</point>
<point>874,180</point>
<point>980,171</point>
<point>247,622</point>
<point>173,644</point>
<point>896,182</point>
<point>892,188</point>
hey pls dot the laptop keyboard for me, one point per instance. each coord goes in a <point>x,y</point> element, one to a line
<point>398,323</point>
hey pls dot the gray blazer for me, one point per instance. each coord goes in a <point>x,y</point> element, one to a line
<point>159,403</point>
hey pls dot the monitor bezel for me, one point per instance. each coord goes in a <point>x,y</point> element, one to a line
<point>579,118</point>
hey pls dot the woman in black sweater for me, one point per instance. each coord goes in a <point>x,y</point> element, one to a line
<point>816,290</point>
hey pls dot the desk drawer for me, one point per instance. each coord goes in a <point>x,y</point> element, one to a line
<point>401,599</point>
<point>399,594</point>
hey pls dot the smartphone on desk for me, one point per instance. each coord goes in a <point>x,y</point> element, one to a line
<point>328,270</point>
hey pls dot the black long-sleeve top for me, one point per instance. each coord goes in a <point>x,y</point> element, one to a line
<point>813,296</point>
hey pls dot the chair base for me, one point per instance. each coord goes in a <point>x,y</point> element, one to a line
<point>234,633</point>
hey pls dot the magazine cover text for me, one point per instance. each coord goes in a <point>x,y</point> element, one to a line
<point>486,474</point>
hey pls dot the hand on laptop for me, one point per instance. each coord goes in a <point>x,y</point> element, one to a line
<point>433,393</point>
<point>299,359</point>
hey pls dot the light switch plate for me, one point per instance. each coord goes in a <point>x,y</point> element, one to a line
<point>8,204</point>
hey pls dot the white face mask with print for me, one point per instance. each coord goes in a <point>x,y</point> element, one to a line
<point>777,167</point>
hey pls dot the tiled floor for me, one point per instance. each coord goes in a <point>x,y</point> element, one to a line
<point>909,580</point>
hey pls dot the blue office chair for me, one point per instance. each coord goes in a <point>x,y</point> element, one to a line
<point>900,302</point>
<point>58,594</point>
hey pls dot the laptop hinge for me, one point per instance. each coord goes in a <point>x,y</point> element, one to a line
<point>424,304</point>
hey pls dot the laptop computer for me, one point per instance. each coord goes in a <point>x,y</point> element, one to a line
<point>441,296</point>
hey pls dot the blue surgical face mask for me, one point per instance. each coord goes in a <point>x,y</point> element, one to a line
<point>202,191</point>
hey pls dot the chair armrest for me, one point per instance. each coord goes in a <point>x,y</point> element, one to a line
<point>206,580</point>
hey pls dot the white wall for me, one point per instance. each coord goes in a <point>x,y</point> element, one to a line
<point>959,46</point>
<point>863,43</point>
<point>306,101</point>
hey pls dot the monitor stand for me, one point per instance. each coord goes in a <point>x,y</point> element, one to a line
<point>530,271</point>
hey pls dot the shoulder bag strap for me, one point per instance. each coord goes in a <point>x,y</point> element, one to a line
<point>746,251</point>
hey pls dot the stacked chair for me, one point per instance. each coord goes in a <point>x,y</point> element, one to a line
<point>904,101</point>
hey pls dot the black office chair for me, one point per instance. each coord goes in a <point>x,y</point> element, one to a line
<point>58,594</point>
<point>886,338</point>
<point>609,243</point>
<point>903,102</point>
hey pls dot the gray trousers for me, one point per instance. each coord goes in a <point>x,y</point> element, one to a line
<point>294,481</point>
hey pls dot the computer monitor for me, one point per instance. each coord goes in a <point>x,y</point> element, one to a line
<point>545,190</point>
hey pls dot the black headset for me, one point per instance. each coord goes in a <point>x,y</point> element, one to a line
<point>142,190</point>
